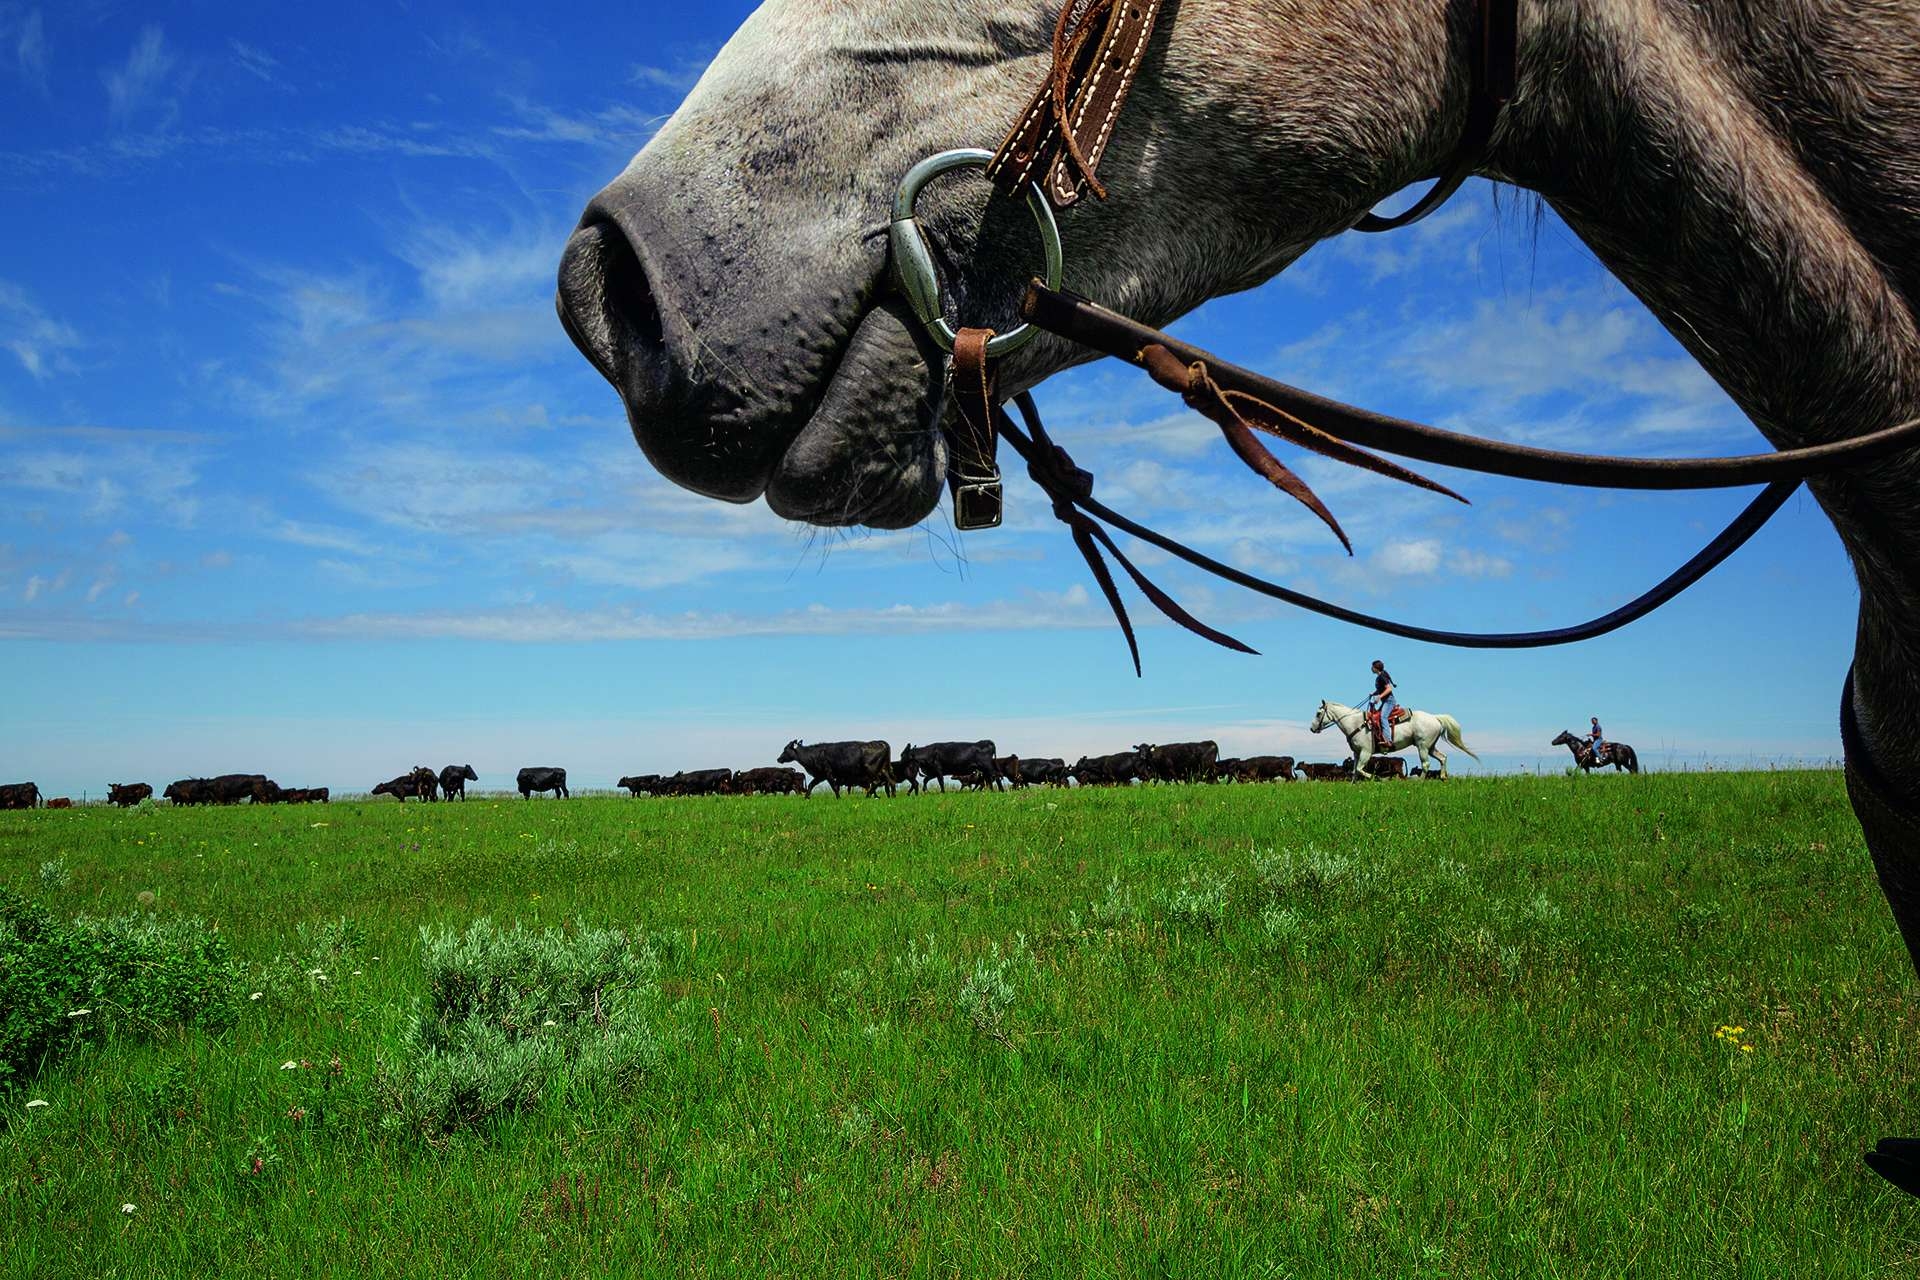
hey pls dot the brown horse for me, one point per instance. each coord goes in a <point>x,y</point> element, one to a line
<point>1619,754</point>
<point>1747,170</point>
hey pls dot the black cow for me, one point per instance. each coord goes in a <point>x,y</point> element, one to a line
<point>267,791</point>
<point>938,759</point>
<point>190,791</point>
<point>769,781</point>
<point>1038,771</point>
<point>454,779</point>
<point>60,802</point>
<point>417,783</point>
<point>905,771</point>
<point>537,778</point>
<point>19,795</point>
<point>232,788</point>
<point>700,782</point>
<point>650,783</point>
<point>1381,767</point>
<point>1259,769</point>
<point>1226,769</point>
<point>1179,761</point>
<point>843,764</point>
<point>1326,772</point>
<point>305,795</point>
<point>128,794</point>
<point>1114,770</point>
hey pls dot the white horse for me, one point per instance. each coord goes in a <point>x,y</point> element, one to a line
<point>1421,730</point>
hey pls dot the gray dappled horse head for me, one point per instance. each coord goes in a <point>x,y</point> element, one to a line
<point>1747,170</point>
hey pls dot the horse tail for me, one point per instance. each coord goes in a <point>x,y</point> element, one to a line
<point>1452,727</point>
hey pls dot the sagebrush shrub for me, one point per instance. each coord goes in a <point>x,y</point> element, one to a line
<point>517,1015</point>
<point>1311,872</point>
<point>66,981</point>
<point>1116,908</point>
<point>1199,901</point>
<point>989,992</point>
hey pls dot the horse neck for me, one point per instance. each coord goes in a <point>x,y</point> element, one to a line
<point>1746,171</point>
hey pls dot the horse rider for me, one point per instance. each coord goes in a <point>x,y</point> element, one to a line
<point>1382,701</point>
<point>1597,741</point>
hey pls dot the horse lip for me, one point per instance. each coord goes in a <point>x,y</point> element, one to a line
<point>616,306</point>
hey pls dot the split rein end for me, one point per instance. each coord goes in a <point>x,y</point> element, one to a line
<point>1236,398</point>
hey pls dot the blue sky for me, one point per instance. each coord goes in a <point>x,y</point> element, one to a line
<point>299,473</point>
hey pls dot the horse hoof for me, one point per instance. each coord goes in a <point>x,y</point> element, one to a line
<point>1898,1161</point>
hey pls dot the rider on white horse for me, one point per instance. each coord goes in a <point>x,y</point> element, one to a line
<point>1424,731</point>
<point>1382,700</point>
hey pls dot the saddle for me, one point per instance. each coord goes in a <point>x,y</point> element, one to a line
<point>1380,735</point>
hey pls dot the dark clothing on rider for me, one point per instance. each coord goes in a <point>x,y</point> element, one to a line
<point>1383,702</point>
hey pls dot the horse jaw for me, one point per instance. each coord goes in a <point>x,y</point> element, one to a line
<point>731,283</point>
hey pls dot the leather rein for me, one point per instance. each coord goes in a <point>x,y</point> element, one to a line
<point>1052,156</point>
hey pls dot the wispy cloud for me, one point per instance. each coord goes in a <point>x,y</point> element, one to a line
<point>144,89</point>
<point>255,62</point>
<point>30,54</point>
<point>118,472</point>
<point>677,76</point>
<point>37,340</point>
<point>614,127</point>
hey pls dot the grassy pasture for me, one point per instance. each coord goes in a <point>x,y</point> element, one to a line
<point>1473,1029</point>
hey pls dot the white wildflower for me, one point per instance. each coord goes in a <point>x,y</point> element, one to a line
<point>38,1102</point>
<point>79,1013</point>
<point>289,1066</point>
<point>354,974</point>
<point>126,1208</point>
<point>254,996</point>
<point>549,1023</point>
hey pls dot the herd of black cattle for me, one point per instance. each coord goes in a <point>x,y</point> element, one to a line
<point>870,766</point>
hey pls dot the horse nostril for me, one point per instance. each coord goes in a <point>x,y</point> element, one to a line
<point>608,305</point>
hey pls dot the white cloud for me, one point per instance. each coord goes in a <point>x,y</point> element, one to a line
<point>546,624</point>
<point>33,588</point>
<point>1416,558</point>
<point>1477,564</point>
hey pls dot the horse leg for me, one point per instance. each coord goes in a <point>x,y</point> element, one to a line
<point>1441,757</point>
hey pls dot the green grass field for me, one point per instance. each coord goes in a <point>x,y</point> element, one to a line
<point>1474,1029</point>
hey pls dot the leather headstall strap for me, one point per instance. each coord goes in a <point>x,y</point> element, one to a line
<point>973,472</point>
<point>1065,129</point>
<point>1492,62</point>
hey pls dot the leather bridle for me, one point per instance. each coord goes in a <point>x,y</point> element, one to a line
<point>1052,155</point>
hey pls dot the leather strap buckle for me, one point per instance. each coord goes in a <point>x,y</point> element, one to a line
<point>977,501</point>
